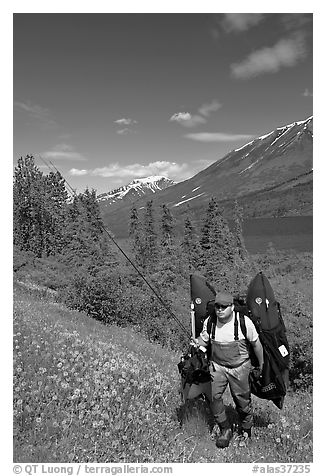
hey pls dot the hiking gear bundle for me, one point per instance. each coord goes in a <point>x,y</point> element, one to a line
<point>262,308</point>
<point>195,375</point>
<point>193,367</point>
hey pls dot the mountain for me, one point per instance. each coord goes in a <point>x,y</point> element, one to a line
<point>269,176</point>
<point>138,188</point>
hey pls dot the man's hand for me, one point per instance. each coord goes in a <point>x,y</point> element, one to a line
<point>257,372</point>
<point>194,342</point>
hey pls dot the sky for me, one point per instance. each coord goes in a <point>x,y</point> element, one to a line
<point>110,97</point>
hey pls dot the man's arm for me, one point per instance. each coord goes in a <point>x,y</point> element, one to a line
<point>258,349</point>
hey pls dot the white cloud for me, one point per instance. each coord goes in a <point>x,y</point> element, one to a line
<point>39,113</point>
<point>122,174</point>
<point>187,120</point>
<point>139,170</point>
<point>218,137</point>
<point>124,131</point>
<point>63,152</point>
<point>307,93</point>
<point>180,117</point>
<point>239,22</point>
<point>207,109</point>
<point>285,53</point>
<point>125,121</point>
<point>78,172</point>
<point>191,120</point>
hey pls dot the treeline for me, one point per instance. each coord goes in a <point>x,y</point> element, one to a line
<point>64,237</point>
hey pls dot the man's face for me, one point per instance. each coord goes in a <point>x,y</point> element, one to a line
<point>223,312</point>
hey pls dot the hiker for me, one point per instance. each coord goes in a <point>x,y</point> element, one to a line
<point>230,364</point>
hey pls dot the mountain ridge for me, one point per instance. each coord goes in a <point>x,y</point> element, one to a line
<point>269,176</point>
<point>137,188</point>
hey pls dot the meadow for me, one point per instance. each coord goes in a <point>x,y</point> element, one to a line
<point>89,392</point>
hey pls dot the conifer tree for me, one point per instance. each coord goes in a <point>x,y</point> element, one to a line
<point>85,244</point>
<point>218,246</point>
<point>190,245</point>
<point>238,231</point>
<point>135,235</point>
<point>56,210</point>
<point>39,208</point>
<point>166,227</point>
<point>25,196</point>
<point>150,249</point>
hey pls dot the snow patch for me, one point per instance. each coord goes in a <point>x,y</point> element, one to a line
<point>247,168</point>
<point>237,150</point>
<point>188,199</point>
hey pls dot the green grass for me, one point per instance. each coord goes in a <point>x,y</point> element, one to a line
<point>85,392</point>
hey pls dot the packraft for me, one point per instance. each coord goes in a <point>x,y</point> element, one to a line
<point>265,312</point>
<point>262,308</point>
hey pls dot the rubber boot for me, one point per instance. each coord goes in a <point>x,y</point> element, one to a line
<point>224,438</point>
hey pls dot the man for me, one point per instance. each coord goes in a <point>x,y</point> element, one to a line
<point>230,365</point>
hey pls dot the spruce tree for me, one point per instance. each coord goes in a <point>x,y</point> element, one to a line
<point>39,208</point>
<point>135,235</point>
<point>150,249</point>
<point>218,246</point>
<point>189,244</point>
<point>56,210</point>
<point>166,227</point>
<point>238,231</point>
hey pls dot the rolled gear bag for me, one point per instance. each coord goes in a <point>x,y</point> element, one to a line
<point>266,314</point>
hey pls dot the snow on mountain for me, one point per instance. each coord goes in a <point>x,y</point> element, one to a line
<point>135,189</point>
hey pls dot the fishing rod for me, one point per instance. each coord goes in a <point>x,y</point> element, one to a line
<point>73,192</point>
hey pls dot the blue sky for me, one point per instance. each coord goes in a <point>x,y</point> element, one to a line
<point>111,97</point>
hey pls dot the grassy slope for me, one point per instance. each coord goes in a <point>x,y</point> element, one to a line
<point>93,393</point>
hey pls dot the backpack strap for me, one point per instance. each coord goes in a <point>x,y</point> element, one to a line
<point>211,326</point>
<point>236,326</point>
<point>243,325</point>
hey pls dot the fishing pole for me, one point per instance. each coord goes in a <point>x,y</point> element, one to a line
<point>125,255</point>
